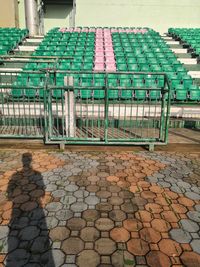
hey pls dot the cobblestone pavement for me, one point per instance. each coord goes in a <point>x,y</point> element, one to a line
<point>99,209</point>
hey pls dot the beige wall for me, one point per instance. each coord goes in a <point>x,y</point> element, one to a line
<point>9,13</point>
<point>157,14</point>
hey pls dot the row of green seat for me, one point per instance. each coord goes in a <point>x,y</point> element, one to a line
<point>190,36</point>
<point>10,38</point>
<point>152,58</point>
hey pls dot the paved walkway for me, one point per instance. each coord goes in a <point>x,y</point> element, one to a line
<point>99,209</point>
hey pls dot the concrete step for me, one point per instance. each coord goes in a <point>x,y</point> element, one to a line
<point>194,74</point>
<point>173,42</point>
<point>179,50</point>
<point>24,48</point>
<point>188,61</point>
<point>31,40</point>
<point>10,69</point>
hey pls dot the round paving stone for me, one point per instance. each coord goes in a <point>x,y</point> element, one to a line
<point>76,224</point>
<point>78,207</point>
<point>117,215</point>
<point>28,206</point>
<point>18,257</point>
<point>89,234</point>
<point>150,235</point>
<point>132,225</point>
<point>51,222</point>
<point>192,195</point>
<point>189,225</point>
<point>104,207</point>
<point>91,215</point>
<point>29,233</point>
<point>161,225</point>
<point>71,188</point>
<point>190,259</point>
<point>59,233</point>
<point>54,206</point>
<point>63,215</point>
<point>81,193</point>
<point>105,246</point>
<point>88,258</point>
<point>119,234</point>
<point>59,193</point>
<point>40,245</point>
<point>157,258</point>
<point>72,245</point>
<point>137,247</point>
<point>103,194</point>
<point>170,247</point>
<point>92,200</point>
<point>67,200</point>
<point>104,224</point>
<point>180,236</point>
<point>115,201</point>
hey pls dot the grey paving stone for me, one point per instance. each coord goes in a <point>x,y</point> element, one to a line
<point>81,193</point>
<point>195,236</point>
<point>194,215</point>
<point>195,244</point>
<point>192,195</point>
<point>177,189</point>
<point>54,206</point>
<point>58,256</point>
<point>4,230</point>
<point>92,200</point>
<point>197,207</point>
<point>189,225</point>
<point>71,188</point>
<point>78,207</point>
<point>51,222</point>
<point>51,187</point>
<point>68,200</point>
<point>183,184</point>
<point>180,235</point>
<point>63,215</point>
<point>59,193</point>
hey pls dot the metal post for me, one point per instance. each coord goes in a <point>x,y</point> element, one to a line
<point>69,107</point>
<point>72,15</point>
<point>31,14</point>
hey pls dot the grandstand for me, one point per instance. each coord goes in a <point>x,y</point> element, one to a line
<point>97,84</point>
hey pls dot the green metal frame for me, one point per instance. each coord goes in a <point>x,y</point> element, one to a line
<point>109,133</point>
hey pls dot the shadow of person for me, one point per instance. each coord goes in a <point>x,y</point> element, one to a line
<point>28,240</point>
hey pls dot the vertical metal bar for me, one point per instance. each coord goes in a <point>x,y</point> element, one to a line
<point>106,111</point>
<point>168,108</point>
<point>162,115</point>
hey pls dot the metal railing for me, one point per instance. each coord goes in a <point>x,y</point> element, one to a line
<point>88,114</point>
<point>79,113</point>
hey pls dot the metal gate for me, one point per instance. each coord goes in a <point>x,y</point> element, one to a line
<point>107,108</point>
